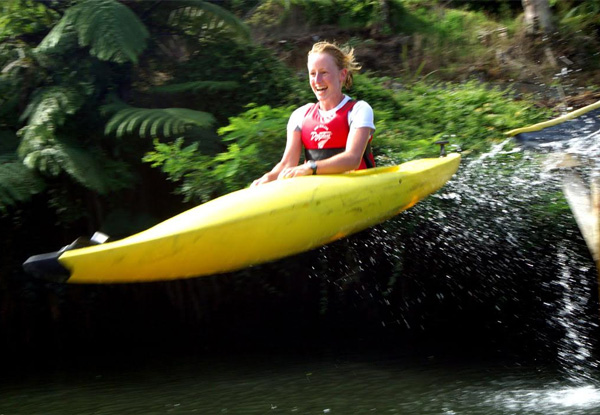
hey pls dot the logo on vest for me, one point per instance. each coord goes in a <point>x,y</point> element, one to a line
<point>321,135</point>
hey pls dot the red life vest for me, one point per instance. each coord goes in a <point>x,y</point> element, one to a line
<point>325,138</point>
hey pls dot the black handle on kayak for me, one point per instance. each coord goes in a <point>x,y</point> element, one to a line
<point>47,266</point>
<point>442,144</point>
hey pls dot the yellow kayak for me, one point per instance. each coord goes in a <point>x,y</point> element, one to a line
<point>253,225</point>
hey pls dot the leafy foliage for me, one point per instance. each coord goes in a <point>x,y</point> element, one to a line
<point>42,147</point>
<point>580,16</point>
<point>24,18</point>
<point>91,169</point>
<point>17,182</point>
<point>255,140</point>
<point>470,115</point>
<point>60,72</point>
<point>579,23</point>
<point>238,74</point>
<point>165,122</point>
<point>47,111</point>
<point>49,107</point>
<point>110,29</point>
<point>205,19</point>
<point>195,87</point>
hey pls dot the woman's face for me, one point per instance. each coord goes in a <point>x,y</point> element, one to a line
<point>326,79</point>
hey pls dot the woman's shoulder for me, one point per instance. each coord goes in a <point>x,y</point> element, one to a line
<point>302,109</point>
<point>361,115</point>
<point>363,108</point>
<point>297,116</point>
<point>360,104</point>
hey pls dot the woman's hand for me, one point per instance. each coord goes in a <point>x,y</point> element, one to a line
<point>301,170</point>
<point>260,181</point>
<point>266,178</point>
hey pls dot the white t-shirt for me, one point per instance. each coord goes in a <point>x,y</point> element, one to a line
<point>361,115</point>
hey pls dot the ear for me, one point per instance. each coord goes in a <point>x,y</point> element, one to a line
<point>343,75</point>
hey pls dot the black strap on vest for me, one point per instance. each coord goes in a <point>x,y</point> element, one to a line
<point>317,154</point>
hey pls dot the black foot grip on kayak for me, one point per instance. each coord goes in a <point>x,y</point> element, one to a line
<point>48,267</point>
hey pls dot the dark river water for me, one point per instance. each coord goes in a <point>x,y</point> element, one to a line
<point>357,383</point>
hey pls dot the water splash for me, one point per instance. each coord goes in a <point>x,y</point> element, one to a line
<point>494,255</point>
<point>503,220</point>
<point>553,400</point>
<point>576,346</point>
<point>582,397</point>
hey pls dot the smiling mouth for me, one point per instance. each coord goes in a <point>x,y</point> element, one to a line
<point>321,89</point>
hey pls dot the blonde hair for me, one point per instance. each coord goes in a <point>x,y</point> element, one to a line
<point>343,57</point>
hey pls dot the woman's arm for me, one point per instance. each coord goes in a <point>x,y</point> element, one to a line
<point>290,158</point>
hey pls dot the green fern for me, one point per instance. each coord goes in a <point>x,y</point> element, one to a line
<point>50,106</point>
<point>202,17</point>
<point>48,109</point>
<point>196,86</point>
<point>110,29</point>
<point>24,17</point>
<point>43,150</point>
<point>90,168</point>
<point>167,122</point>
<point>17,182</point>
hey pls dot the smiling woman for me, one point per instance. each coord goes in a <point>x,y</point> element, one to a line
<point>336,131</point>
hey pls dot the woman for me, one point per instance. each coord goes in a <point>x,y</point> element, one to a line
<point>336,131</point>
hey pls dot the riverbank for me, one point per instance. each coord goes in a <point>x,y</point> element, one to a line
<point>557,70</point>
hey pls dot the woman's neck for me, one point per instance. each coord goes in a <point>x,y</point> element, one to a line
<point>331,103</point>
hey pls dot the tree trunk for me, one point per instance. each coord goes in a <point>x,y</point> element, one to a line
<point>383,22</point>
<point>538,19</point>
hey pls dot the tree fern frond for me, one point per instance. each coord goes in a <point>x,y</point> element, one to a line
<point>34,138</point>
<point>42,150</point>
<point>48,109</point>
<point>56,36</point>
<point>110,29</point>
<point>204,16</point>
<point>51,105</point>
<point>91,169</point>
<point>17,183</point>
<point>196,86</point>
<point>148,122</point>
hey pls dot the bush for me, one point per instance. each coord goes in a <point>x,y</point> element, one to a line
<point>472,116</point>
<point>255,141</point>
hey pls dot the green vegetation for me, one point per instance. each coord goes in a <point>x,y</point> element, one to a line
<point>72,73</point>
<point>92,96</point>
